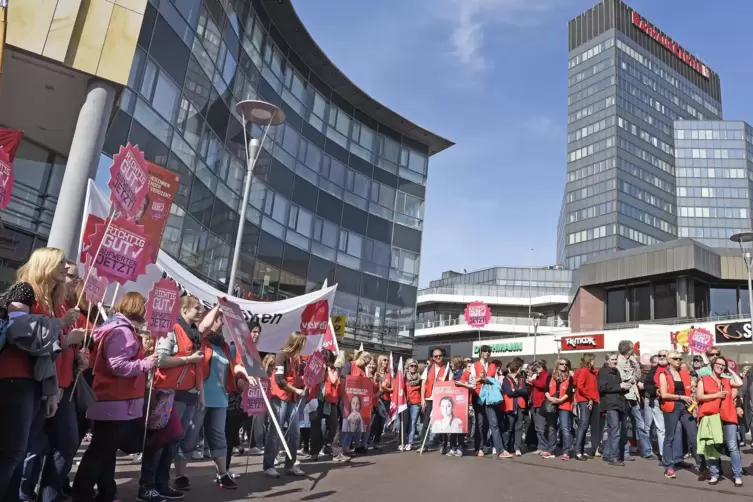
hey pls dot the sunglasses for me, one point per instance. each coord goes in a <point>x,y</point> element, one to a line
<point>675,358</point>
<point>716,354</point>
<point>437,356</point>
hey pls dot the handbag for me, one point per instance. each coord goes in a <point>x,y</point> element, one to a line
<point>491,392</point>
<point>84,396</point>
<point>548,409</point>
<point>161,405</point>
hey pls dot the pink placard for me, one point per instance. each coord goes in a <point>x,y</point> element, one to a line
<point>700,340</point>
<point>314,372</point>
<point>95,285</point>
<point>162,307</point>
<point>477,314</point>
<point>253,401</point>
<point>6,178</point>
<point>129,180</point>
<point>125,252</point>
<point>731,365</point>
<point>235,323</point>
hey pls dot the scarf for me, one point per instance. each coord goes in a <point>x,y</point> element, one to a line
<point>191,331</point>
<point>413,379</point>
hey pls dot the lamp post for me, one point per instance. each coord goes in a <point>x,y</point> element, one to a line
<point>743,238</point>
<point>536,316</point>
<point>267,115</point>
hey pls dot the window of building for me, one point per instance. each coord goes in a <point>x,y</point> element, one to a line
<point>665,300</point>
<point>300,220</point>
<point>325,232</point>
<point>701,300</point>
<point>616,306</point>
<point>744,302</point>
<point>640,303</point>
<point>723,301</point>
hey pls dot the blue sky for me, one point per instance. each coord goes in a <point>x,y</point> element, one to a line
<point>491,75</point>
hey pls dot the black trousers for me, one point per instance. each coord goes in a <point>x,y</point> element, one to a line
<point>233,424</point>
<point>22,396</point>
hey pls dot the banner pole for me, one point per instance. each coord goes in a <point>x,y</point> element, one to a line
<point>426,435</point>
<point>273,418</point>
<point>402,434</point>
<point>148,404</point>
<point>110,217</point>
<point>78,373</point>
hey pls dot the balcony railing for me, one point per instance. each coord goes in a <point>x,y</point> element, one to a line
<point>478,290</point>
<point>680,320</point>
<point>517,321</point>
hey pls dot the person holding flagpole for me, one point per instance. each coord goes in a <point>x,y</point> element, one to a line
<point>438,370</point>
<point>383,382</point>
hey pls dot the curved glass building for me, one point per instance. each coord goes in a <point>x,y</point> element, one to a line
<point>338,191</point>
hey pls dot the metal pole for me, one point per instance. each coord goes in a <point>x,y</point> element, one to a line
<point>253,148</point>
<point>530,280</point>
<point>749,265</point>
<point>535,337</point>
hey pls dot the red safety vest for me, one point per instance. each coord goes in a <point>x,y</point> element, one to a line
<point>430,378</point>
<point>206,365</point>
<point>179,377</point>
<point>510,401</point>
<point>724,407</point>
<point>669,406</point>
<point>567,405</point>
<point>478,368</point>
<point>293,378</point>
<point>108,387</point>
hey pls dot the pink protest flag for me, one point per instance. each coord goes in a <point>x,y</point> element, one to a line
<point>6,178</point>
<point>241,336</point>
<point>162,307</point>
<point>313,374</point>
<point>129,180</point>
<point>329,341</point>
<point>253,402</point>
<point>398,403</point>
<point>95,286</point>
<point>123,250</point>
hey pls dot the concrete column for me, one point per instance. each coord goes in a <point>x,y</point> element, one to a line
<point>682,297</point>
<point>86,148</point>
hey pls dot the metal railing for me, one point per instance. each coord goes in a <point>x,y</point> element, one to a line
<point>517,321</point>
<point>495,291</point>
<point>679,320</point>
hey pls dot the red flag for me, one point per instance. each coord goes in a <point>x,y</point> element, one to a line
<point>9,141</point>
<point>399,402</point>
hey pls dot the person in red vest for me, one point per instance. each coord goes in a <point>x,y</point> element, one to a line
<point>288,391</point>
<point>120,376</point>
<point>515,399</point>
<point>356,367</point>
<point>675,394</point>
<point>479,370</point>
<point>383,391</point>
<point>178,369</point>
<point>587,398</point>
<point>537,379</point>
<point>436,371</point>
<point>413,400</point>
<point>716,395</point>
<point>560,392</point>
<point>53,440</point>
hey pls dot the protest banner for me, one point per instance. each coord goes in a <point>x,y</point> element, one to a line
<point>313,374</point>
<point>450,411</point>
<point>129,180</point>
<point>358,403</point>
<point>253,402</point>
<point>6,178</point>
<point>162,307</point>
<point>123,250</point>
<point>277,318</point>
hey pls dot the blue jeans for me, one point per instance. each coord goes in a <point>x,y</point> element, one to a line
<point>410,427</point>
<point>640,431</point>
<point>283,411</point>
<point>730,439</point>
<point>492,417</point>
<point>588,418</point>
<point>547,435</point>
<point>675,421</point>
<point>187,414</point>
<point>212,422</point>
<point>565,419</point>
<point>616,435</point>
<point>53,441</point>
<point>654,416</point>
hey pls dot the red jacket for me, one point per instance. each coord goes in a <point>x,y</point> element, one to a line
<point>540,389</point>
<point>586,387</point>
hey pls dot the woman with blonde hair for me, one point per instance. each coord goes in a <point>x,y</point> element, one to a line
<point>56,436</point>
<point>288,391</point>
<point>120,376</point>
<point>383,384</point>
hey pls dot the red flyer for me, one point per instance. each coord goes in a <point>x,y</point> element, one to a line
<point>162,307</point>
<point>6,178</point>
<point>129,180</point>
<point>358,403</point>
<point>163,185</point>
<point>253,401</point>
<point>124,253</point>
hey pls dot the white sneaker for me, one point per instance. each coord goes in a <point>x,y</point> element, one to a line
<point>400,447</point>
<point>408,447</point>
<point>272,473</point>
<point>136,458</point>
<point>297,463</point>
<point>233,475</point>
<point>255,451</point>
<point>197,455</point>
<point>494,451</point>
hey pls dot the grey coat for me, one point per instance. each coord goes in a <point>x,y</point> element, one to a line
<point>39,336</point>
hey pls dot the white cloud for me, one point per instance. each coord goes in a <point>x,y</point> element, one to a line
<point>470,19</point>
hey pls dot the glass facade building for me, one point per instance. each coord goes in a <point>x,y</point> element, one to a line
<point>338,190</point>
<point>627,85</point>
<point>714,163</point>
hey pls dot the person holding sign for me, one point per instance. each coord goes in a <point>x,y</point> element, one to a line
<point>356,368</point>
<point>179,359</point>
<point>120,376</point>
<point>224,373</point>
<point>287,392</point>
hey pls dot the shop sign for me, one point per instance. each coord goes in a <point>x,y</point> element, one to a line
<point>670,45</point>
<point>587,342</point>
<point>499,349</point>
<point>732,332</point>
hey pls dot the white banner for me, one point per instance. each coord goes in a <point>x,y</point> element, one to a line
<point>309,313</point>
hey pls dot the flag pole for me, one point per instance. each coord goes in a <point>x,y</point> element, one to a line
<point>3,32</point>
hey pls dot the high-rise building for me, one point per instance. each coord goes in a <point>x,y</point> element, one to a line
<point>627,84</point>
<point>714,163</point>
<point>338,191</point>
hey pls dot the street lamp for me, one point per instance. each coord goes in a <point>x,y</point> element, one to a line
<point>743,238</point>
<point>267,115</point>
<point>536,316</point>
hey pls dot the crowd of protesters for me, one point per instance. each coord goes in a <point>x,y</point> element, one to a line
<point>73,371</point>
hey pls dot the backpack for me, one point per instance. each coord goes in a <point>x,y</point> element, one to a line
<point>491,392</point>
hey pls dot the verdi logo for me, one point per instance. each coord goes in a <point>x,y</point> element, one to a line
<point>315,318</point>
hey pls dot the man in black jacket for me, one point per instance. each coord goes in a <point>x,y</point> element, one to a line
<point>651,412</point>
<point>614,403</point>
